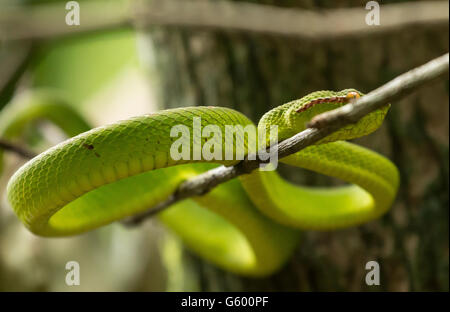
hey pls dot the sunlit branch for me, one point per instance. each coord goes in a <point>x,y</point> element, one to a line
<point>46,21</point>
<point>321,126</point>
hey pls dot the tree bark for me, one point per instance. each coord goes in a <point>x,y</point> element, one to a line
<point>254,73</point>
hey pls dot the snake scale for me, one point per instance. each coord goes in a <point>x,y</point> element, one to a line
<point>249,226</point>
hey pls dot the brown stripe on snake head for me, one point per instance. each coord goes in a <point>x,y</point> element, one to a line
<point>334,99</point>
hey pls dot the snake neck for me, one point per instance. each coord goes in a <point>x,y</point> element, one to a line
<point>277,117</point>
<point>292,118</point>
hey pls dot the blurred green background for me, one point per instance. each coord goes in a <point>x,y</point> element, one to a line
<point>116,74</point>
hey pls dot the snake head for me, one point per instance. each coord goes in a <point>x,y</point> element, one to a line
<point>301,111</point>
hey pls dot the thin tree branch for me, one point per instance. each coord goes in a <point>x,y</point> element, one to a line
<point>48,21</point>
<point>393,90</point>
<point>326,123</point>
<point>13,60</point>
<point>291,22</point>
<point>19,150</point>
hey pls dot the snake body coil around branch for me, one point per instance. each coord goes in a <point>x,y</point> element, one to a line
<point>248,225</point>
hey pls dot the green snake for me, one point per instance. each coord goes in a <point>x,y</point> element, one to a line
<point>249,226</point>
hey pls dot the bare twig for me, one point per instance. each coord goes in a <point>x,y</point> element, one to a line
<point>13,61</point>
<point>326,124</point>
<point>393,90</point>
<point>47,21</point>
<point>19,150</point>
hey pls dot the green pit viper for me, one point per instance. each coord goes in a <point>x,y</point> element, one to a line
<point>249,226</point>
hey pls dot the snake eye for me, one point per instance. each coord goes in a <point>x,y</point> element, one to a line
<point>353,95</point>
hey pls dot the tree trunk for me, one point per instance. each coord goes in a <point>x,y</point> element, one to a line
<point>254,73</point>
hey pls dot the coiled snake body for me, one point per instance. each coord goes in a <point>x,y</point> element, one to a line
<point>248,225</point>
